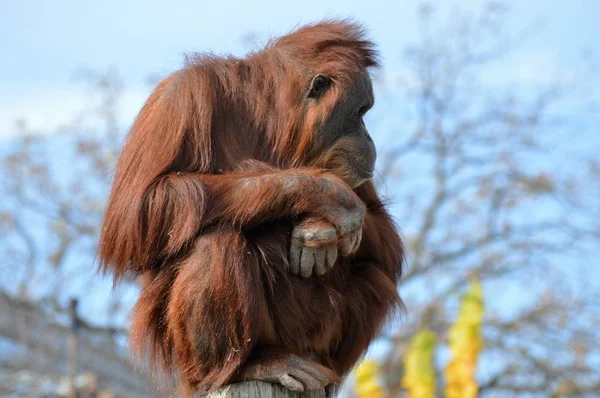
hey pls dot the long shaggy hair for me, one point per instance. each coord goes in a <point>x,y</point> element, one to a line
<point>211,247</point>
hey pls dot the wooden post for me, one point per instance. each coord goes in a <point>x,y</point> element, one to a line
<point>259,389</point>
<point>73,341</point>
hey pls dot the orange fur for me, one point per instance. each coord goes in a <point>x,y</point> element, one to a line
<point>215,172</point>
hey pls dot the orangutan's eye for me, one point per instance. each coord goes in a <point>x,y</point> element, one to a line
<point>319,85</point>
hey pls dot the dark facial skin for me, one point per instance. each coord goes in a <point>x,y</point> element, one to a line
<point>347,147</point>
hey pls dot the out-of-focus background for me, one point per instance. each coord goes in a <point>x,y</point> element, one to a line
<point>488,131</point>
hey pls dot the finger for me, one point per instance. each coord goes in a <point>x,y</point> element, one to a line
<point>351,242</point>
<point>358,238</point>
<point>320,259</point>
<point>307,262</point>
<point>354,242</point>
<point>332,254</point>
<point>347,245</point>
<point>295,254</point>
<point>290,383</point>
<point>315,370</point>
<point>320,238</point>
<point>310,382</point>
<point>350,221</point>
<point>326,234</point>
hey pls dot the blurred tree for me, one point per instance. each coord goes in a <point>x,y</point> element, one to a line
<point>483,176</point>
<point>53,193</point>
<point>486,181</point>
<point>54,185</point>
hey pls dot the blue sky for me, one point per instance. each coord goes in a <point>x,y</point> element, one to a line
<point>45,42</point>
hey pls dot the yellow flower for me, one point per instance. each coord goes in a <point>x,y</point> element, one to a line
<point>465,344</point>
<point>419,373</point>
<point>368,384</point>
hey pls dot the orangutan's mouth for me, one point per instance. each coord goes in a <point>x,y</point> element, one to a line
<point>362,170</point>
